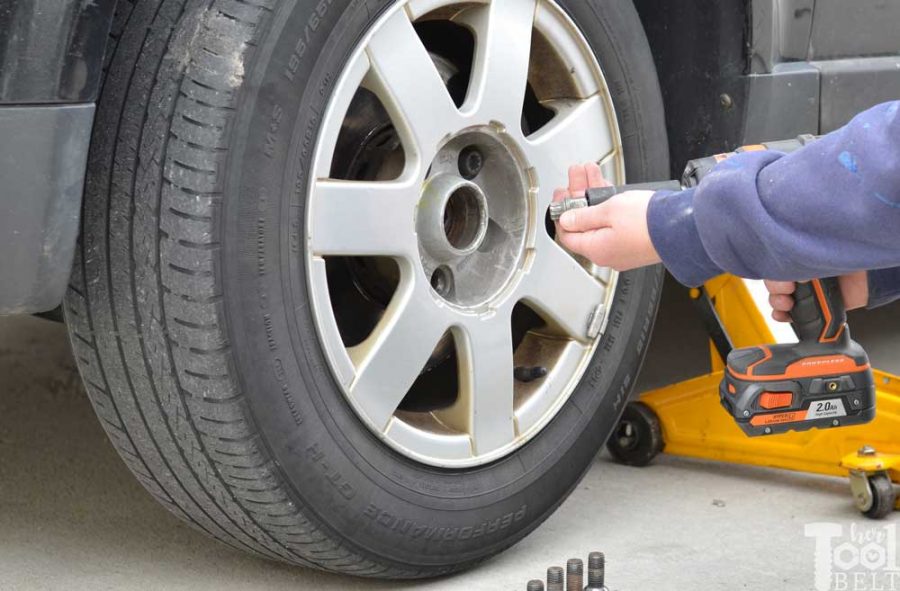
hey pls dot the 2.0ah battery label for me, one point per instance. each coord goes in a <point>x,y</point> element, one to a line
<point>821,409</point>
<point>826,409</point>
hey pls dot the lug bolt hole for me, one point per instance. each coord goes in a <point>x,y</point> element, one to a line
<point>471,161</point>
<point>442,281</point>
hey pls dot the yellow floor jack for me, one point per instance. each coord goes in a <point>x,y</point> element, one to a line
<point>809,400</point>
<point>687,418</point>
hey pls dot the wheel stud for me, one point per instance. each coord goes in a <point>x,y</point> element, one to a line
<point>555,578</point>
<point>574,574</point>
<point>596,572</point>
<point>471,161</point>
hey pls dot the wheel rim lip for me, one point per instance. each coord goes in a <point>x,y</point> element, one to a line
<point>324,313</point>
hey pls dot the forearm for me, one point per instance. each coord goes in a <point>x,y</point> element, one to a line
<point>828,209</point>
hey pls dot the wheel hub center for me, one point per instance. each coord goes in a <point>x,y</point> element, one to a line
<point>473,217</point>
<point>453,217</point>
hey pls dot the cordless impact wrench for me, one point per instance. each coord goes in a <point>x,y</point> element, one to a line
<point>824,380</point>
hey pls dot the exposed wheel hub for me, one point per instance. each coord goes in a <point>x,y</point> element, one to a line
<point>453,218</point>
<point>473,217</point>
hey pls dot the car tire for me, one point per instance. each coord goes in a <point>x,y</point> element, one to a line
<point>190,318</point>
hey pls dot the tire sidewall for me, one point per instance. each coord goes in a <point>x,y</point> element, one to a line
<point>355,486</point>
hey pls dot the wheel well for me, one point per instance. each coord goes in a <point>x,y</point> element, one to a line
<point>701,52</point>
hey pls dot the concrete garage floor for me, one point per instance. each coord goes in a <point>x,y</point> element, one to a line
<point>72,517</point>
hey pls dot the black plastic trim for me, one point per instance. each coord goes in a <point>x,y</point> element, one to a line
<point>701,55</point>
<point>43,157</point>
<point>51,51</point>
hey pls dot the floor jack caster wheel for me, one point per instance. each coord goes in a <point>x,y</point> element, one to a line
<point>874,493</point>
<point>638,437</point>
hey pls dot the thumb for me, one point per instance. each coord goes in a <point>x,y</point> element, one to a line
<point>585,218</point>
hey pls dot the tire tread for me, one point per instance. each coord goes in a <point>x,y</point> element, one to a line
<point>144,304</point>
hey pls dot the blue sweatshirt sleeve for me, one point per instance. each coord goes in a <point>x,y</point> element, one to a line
<point>831,208</point>
<point>884,286</point>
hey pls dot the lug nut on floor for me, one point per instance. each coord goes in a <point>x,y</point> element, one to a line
<point>572,578</point>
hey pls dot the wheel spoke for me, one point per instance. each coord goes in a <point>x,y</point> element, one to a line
<point>485,405</point>
<point>408,83</point>
<point>391,359</point>
<point>579,133</point>
<point>354,74</point>
<point>563,290</point>
<point>363,218</point>
<point>503,51</point>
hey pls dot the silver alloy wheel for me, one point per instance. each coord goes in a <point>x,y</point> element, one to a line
<point>467,252</point>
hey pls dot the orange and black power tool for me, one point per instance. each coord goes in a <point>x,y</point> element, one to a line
<point>824,380</point>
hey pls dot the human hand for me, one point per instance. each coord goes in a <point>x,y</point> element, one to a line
<point>854,290</point>
<point>612,234</point>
